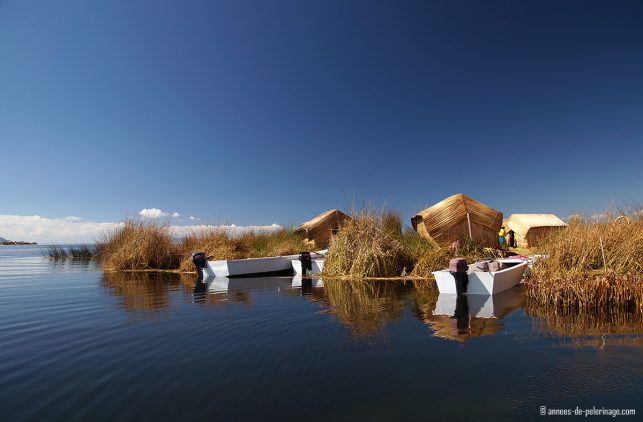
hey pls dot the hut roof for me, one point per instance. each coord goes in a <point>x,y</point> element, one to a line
<point>454,209</point>
<point>321,219</point>
<point>522,223</point>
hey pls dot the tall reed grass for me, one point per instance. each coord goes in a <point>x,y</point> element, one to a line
<point>139,245</point>
<point>369,244</point>
<point>56,252</point>
<point>76,252</point>
<point>594,263</point>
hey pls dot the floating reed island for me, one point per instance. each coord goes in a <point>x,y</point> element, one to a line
<point>588,263</point>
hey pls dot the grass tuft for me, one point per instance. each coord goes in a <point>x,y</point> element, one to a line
<point>56,252</point>
<point>139,245</point>
<point>369,244</point>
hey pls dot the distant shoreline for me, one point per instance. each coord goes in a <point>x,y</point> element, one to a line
<point>12,242</point>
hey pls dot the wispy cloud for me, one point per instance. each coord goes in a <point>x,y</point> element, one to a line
<point>34,228</point>
<point>157,213</point>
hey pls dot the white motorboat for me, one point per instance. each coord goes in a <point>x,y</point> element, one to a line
<point>316,261</point>
<point>483,282</point>
<point>250,266</point>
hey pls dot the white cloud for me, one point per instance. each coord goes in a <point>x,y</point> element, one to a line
<point>194,218</point>
<point>157,213</point>
<point>73,218</point>
<point>152,213</point>
<point>34,228</point>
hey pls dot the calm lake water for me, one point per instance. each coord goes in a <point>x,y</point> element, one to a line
<point>78,344</point>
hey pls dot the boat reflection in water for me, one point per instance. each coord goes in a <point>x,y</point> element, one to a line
<point>367,308</point>
<point>461,318</point>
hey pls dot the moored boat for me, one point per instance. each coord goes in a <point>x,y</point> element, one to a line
<point>483,282</point>
<point>249,267</point>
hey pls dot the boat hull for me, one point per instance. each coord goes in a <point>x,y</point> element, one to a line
<point>250,267</point>
<point>483,283</point>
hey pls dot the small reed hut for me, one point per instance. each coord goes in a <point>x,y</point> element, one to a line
<point>530,229</point>
<point>459,216</point>
<point>321,228</point>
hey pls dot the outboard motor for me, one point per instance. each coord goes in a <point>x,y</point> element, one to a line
<point>458,268</point>
<point>306,262</point>
<point>200,261</point>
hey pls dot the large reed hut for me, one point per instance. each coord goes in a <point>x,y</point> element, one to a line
<point>530,229</point>
<point>459,216</point>
<point>321,228</point>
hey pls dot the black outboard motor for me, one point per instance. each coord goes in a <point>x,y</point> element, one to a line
<point>200,261</point>
<point>458,268</point>
<point>306,262</point>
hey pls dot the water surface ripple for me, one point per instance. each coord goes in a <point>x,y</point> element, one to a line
<point>80,344</point>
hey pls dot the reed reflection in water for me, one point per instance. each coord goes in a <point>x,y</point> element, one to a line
<point>596,329</point>
<point>141,294</point>
<point>367,307</point>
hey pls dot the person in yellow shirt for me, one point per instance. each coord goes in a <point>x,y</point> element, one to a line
<point>501,238</point>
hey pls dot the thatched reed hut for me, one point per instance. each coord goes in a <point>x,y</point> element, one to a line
<point>530,229</point>
<point>459,216</point>
<point>321,228</point>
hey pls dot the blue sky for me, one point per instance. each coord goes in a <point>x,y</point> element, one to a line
<point>256,112</point>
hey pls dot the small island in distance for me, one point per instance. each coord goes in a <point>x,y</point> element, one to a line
<point>4,241</point>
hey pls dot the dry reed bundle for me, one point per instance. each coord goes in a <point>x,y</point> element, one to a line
<point>139,245</point>
<point>369,244</point>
